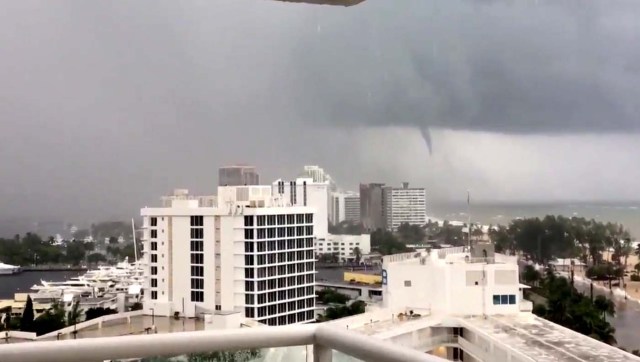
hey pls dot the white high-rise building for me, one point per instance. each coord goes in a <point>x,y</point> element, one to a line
<point>306,192</point>
<point>318,175</point>
<point>404,205</point>
<point>344,206</point>
<point>251,254</point>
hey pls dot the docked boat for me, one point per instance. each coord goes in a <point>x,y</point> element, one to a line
<point>6,269</point>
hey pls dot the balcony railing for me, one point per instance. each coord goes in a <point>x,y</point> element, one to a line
<point>323,338</point>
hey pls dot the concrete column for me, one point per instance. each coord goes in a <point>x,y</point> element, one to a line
<point>322,353</point>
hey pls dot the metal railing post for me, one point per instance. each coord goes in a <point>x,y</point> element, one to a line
<point>322,353</point>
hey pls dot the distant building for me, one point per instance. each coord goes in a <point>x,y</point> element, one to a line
<point>344,207</point>
<point>238,176</point>
<point>344,245</point>
<point>250,254</point>
<point>318,175</point>
<point>306,192</point>
<point>404,205</point>
<point>371,206</point>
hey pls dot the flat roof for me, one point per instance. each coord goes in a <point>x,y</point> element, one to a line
<point>544,341</point>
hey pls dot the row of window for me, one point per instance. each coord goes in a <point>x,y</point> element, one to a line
<point>336,244</point>
<point>299,317</point>
<point>280,296</point>
<point>277,245</point>
<point>196,247</point>
<point>280,270</point>
<point>280,308</point>
<point>499,299</point>
<point>272,284</point>
<point>281,232</point>
<point>272,220</point>
<point>263,259</point>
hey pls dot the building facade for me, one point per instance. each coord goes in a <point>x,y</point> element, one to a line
<point>372,206</point>
<point>344,207</point>
<point>404,205</point>
<point>238,176</point>
<point>344,246</point>
<point>307,193</point>
<point>318,175</point>
<point>249,254</point>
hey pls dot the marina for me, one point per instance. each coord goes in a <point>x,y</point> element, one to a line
<point>116,287</point>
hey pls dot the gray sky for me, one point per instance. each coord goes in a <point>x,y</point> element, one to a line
<point>106,105</point>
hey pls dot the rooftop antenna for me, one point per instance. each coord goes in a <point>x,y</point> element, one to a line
<point>469,220</point>
<point>135,245</point>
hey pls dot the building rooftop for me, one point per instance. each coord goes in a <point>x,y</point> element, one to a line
<point>544,341</point>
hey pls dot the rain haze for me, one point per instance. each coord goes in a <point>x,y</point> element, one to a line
<point>107,105</point>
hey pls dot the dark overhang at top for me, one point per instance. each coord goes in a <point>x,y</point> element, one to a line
<point>327,2</point>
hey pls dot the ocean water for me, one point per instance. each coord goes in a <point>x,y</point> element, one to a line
<point>626,213</point>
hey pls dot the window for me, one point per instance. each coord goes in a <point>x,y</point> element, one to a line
<point>197,283</point>
<point>197,296</point>
<point>154,258</point>
<point>154,221</point>
<point>504,299</point>
<point>248,220</point>
<point>197,233</point>
<point>154,294</point>
<point>154,245</point>
<point>197,258</point>
<point>154,270</point>
<point>197,271</point>
<point>248,234</point>
<point>154,234</point>
<point>261,220</point>
<point>197,220</point>
<point>154,283</point>
<point>197,245</point>
<point>407,283</point>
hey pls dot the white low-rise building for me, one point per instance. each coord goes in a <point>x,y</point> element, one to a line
<point>344,246</point>
<point>467,305</point>
<point>251,254</point>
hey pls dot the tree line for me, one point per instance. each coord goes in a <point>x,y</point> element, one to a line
<point>566,306</point>
<point>31,249</point>
<point>551,237</point>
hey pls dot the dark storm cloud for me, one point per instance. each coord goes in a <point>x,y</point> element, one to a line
<point>508,67</point>
<point>105,105</point>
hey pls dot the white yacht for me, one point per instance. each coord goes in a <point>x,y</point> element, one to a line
<point>104,281</point>
<point>6,269</point>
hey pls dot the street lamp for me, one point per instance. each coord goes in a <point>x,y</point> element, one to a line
<point>153,316</point>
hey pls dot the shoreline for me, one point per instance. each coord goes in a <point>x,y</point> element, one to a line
<point>616,293</point>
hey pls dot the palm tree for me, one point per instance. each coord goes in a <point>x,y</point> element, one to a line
<point>627,249</point>
<point>357,254</point>
<point>531,275</point>
<point>605,306</point>
<point>73,316</point>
